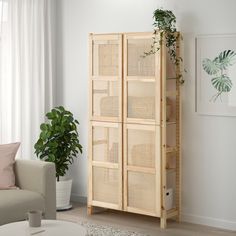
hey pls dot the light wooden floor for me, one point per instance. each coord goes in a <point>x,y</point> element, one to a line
<point>139,223</point>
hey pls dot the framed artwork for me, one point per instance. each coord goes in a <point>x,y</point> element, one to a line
<point>216,75</point>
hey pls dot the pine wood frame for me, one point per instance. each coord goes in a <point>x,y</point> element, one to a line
<point>153,79</point>
<point>107,165</point>
<point>154,171</point>
<point>159,123</point>
<point>94,78</point>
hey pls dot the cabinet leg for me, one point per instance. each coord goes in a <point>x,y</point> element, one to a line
<point>163,222</point>
<point>89,210</point>
<point>178,218</point>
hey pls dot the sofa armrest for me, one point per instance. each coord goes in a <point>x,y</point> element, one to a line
<point>38,176</point>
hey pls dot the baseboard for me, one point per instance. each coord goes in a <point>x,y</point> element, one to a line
<point>195,219</point>
<point>77,198</point>
<point>209,221</point>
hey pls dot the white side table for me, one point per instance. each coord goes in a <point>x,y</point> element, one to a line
<point>48,228</point>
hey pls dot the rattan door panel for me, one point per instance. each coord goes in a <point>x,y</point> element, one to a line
<point>105,166</point>
<point>137,64</point>
<point>142,155</point>
<point>141,147</point>
<point>141,101</point>
<point>141,192</point>
<point>106,77</point>
<point>106,55</point>
<point>106,185</point>
<point>141,80</point>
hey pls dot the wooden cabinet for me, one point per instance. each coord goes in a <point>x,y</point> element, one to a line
<point>134,140</point>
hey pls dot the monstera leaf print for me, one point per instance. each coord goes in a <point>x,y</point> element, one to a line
<point>222,84</point>
<point>211,67</point>
<point>218,67</point>
<point>226,58</point>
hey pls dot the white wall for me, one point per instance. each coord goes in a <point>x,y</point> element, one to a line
<point>209,154</point>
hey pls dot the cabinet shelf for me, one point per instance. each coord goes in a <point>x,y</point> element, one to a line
<point>141,169</point>
<point>170,170</point>
<point>171,93</point>
<point>172,213</point>
<point>141,79</point>
<point>105,78</point>
<point>171,150</point>
<point>109,165</point>
<point>171,122</point>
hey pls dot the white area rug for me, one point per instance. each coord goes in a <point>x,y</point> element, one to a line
<point>101,230</point>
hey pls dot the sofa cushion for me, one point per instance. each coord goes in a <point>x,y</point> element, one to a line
<point>14,204</point>
<point>7,160</point>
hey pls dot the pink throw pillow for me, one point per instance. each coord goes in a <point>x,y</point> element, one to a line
<point>7,160</point>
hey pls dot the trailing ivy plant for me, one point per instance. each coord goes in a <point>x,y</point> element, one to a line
<point>218,69</point>
<point>165,25</point>
<point>59,140</point>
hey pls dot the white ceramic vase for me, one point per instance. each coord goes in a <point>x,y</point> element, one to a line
<point>63,192</point>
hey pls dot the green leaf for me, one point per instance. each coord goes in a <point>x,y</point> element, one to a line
<point>211,67</point>
<point>61,108</point>
<point>54,113</point>
<point>43,135</point>
<point>226,58</point>
<point>43,127</point>
<point>50,115</point>
<point>222,83</point>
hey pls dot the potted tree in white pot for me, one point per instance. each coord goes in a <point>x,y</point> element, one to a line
<point>59,143</point>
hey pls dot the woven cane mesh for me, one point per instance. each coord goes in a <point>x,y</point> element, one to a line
<point>138,65</point>
<point>141,191</point>
<point>109,106</point>
<point>105,58</point>
<point>105,185</point>
<point>141,148</point>
<point>106,98</point>
<point>141,100</point>
<point>105,144</point>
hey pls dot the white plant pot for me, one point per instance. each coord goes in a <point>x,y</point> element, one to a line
<point>63,192</point>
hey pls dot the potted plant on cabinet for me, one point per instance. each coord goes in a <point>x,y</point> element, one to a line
<point>59,143</point>
<point>165,25</point>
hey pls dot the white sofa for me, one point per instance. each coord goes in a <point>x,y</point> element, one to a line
<point>36,180</point>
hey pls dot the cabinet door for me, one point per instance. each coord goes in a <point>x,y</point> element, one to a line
<point>106,77</point>
<point>141,80</point>
<point>142,169</point>
<point>105,167</point>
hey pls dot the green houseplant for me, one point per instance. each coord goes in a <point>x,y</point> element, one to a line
<point>165,25</point>
<point>59,142</point>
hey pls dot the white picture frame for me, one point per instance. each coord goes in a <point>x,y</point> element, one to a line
<point>216,75</point>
